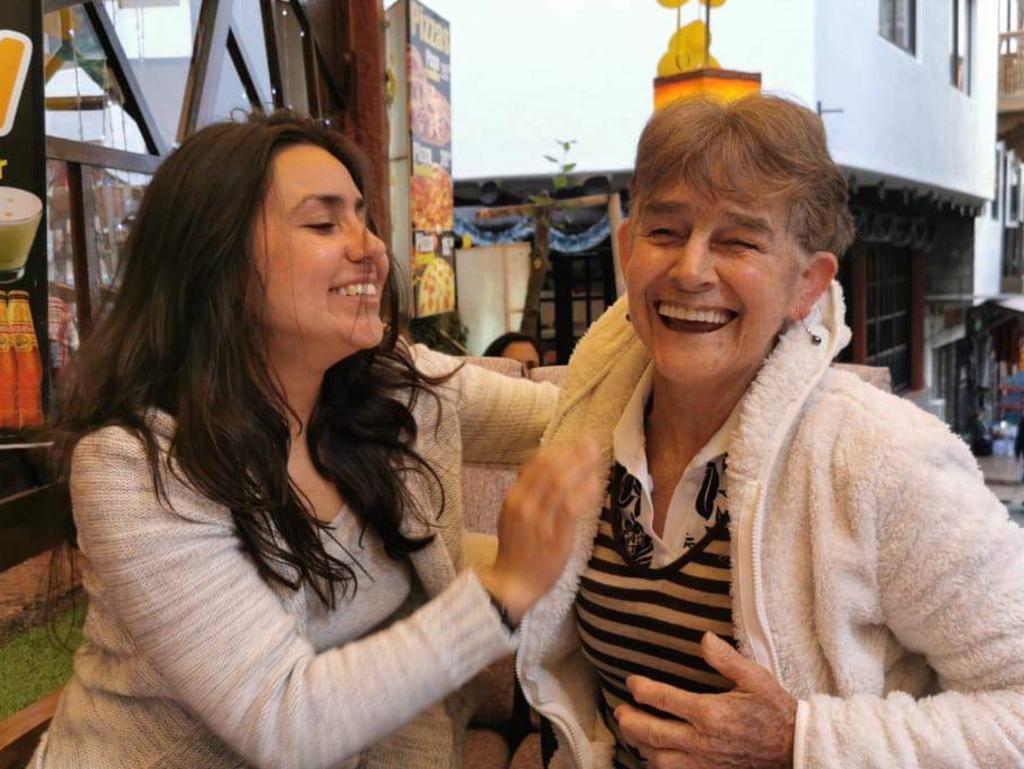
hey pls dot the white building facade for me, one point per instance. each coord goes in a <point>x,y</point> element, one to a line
<point>907,90</point>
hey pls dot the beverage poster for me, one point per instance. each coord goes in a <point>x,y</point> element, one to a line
<point>420,43</point>
<point>23,286</point>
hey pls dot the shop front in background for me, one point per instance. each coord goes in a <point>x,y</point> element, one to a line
<point>120,83</point>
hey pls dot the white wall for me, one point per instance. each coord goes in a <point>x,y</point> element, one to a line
<point>988,255</point>
<point>492,284</point>
<point>902,117</point>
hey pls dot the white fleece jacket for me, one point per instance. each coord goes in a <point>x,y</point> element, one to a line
<point>874,574</point>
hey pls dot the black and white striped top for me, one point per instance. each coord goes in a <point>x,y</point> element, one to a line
<point>637,619</point>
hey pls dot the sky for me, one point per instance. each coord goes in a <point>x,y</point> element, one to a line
<point>530,72</point>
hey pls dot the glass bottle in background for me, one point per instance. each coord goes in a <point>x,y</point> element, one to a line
<point>8,372</point>
<point>30,366</point>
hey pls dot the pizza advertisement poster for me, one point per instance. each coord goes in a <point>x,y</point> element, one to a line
<point>431,191</point>
<point>23,269</point>
<point>420,153</point>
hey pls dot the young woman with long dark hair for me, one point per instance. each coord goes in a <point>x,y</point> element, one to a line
<point>265,482</point>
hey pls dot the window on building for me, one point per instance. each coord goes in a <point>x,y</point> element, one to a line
<point>897,23</point>
<point>584,285</point>
<point>1013,191</point>
<point>949,380</point>
<point>1012,266</point>
<point>888,312</point>
<point>962,44</point>
<point>994,206</point>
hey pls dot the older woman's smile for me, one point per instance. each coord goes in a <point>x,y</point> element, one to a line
<point>679,317</point>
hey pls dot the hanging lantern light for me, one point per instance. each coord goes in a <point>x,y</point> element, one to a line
<point>687,69</point>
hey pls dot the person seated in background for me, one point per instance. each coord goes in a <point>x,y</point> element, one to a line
<point>791,567</point>
<point>266,483</point>
<point>520,347</point>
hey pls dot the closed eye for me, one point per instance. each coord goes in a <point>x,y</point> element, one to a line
<point>322,227</point>
<point>660,233</point>
<point>743,244</point>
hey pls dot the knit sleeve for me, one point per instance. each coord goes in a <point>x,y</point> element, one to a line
<point>224,644</point>
<point>502,418</point>
<point>950,572</point>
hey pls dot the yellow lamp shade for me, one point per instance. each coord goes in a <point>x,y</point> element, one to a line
<point>673,3</point>
<point>712,3</point>
<point>693,37</point>
<point>719,84</point>
<point>675,63</point>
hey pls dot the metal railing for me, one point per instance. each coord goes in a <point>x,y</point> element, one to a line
<point>1011,64</point>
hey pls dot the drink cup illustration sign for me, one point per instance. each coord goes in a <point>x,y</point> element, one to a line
<point>20,213</point>
<point>24,279</point>
<point>15,56</point>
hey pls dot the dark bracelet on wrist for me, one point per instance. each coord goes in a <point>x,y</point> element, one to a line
<point>502,613</point>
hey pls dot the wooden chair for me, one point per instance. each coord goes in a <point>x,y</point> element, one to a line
<point>20,733</point>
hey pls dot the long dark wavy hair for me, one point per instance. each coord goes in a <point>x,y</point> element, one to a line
<point>183,335</point>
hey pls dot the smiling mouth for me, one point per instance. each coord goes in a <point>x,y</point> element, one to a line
<point>694,320</point>
<point>355,289</point>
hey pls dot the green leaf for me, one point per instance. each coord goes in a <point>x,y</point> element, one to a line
<point>560,182</point>
<point>568,167</point>
<point>553,160</point>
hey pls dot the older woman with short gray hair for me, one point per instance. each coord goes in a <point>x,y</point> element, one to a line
<point>790,567</point>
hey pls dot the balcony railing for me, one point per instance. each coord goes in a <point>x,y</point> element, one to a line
<point>1011,65</point>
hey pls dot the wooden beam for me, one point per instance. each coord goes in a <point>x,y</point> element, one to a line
<point>51,6</point>
<point>75,103</point>
<point>540,263</point>
<point>211,42</point>
<point>246,71</point>
<point>20,733</point>
<point>83,249</point>
<point>52,67</point>
<point>94,155</point>
<point>532,209</point>
<point>332,76</point>
<point>134,100</point>
<point>309,62</point>
<point>267,11</point>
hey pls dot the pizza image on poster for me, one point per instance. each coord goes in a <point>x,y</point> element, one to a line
<point>430,112</point>
<point>435,285</point>
<point>431,191</point>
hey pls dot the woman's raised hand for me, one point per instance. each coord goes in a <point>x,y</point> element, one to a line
<point>538,521</point>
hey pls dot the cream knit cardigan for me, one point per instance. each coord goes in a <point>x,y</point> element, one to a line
<point>873,573</point>
<point>192,661</point>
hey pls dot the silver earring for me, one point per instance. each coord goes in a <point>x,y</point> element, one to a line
<point>815,338</point>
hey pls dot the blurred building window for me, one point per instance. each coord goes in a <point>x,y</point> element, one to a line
<point>63,308</point>
<point>1012,267</point>
<point>1013,194</point>
<point>115,196</point>
<point>897,23</point>
<point>157,37</point>
<point>888,311</point>
<point>962,44</point>
<point>994,206</point>
<point>84,100</point>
